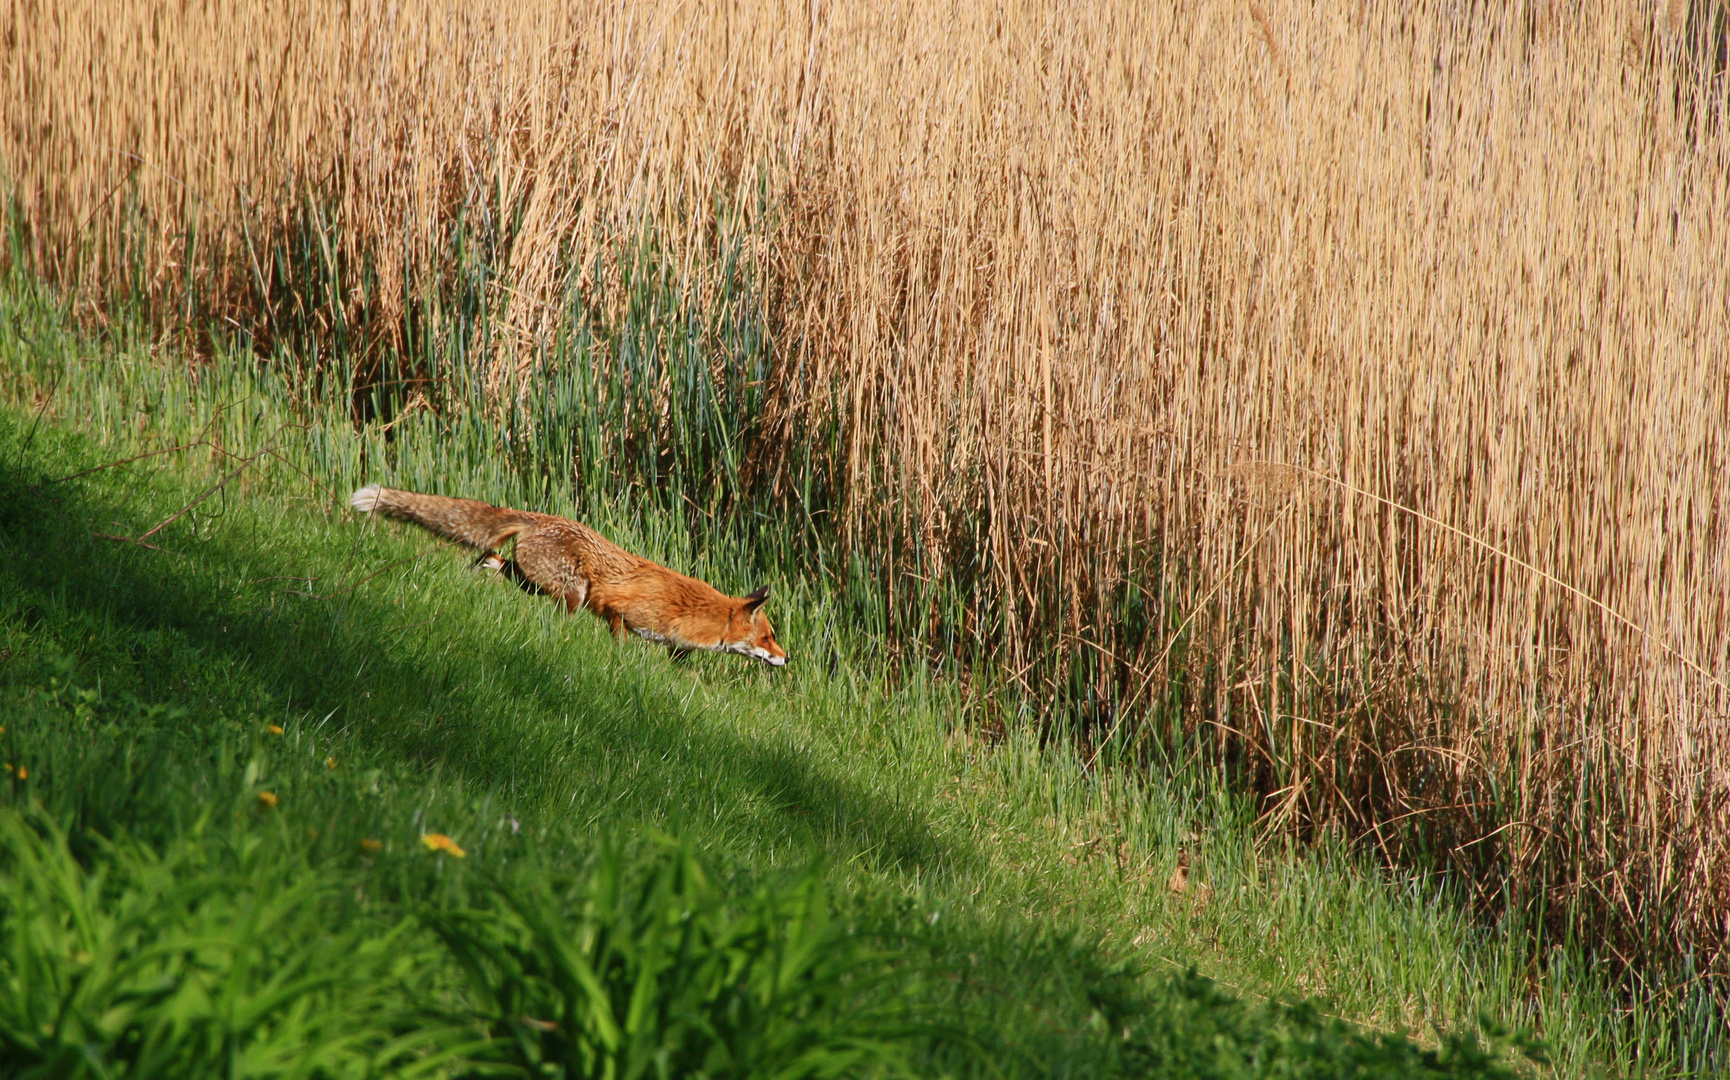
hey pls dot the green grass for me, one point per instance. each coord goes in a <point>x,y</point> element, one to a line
<point>1016,901</point>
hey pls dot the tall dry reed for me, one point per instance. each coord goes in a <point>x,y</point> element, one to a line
<point>1349,383</point>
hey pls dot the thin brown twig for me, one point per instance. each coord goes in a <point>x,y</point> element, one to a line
<point>277,454</point>
<point>130,540</point>
<point>207,493</point>
<point>40,409</point>
<point>117,464</point>
<point>1504,828</point>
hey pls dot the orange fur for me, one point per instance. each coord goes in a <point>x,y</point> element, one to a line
<point>577,565</point>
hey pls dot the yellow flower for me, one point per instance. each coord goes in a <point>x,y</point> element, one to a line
<point>267,799</point>
<point>372,846</point>
<point>276,729</point>
<point>438,841</point>
<point>330,763</point>
<point>23,773</point>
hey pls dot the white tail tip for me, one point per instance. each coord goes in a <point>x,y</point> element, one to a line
<point>366,500</point>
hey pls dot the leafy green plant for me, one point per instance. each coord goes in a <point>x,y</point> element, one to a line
<point>201,962</point>
<point>655,973</point>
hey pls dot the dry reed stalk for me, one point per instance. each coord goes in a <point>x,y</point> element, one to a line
<point>1058,274</point>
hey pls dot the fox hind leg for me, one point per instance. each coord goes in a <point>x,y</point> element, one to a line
<point>497,563</point>
<point>575,596</point>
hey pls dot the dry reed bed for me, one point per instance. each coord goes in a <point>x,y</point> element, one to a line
<point>1400,337</point>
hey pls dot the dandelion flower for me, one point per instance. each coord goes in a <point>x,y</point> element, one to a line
<point>276,729</point>
<point>267,799</point>
<point>330,763</point>
<point>438,841</point>
<point>372,846</point>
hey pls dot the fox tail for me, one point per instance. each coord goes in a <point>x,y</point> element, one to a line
<point>467,521</point>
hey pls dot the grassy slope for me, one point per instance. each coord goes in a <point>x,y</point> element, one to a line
<point>449,702</point>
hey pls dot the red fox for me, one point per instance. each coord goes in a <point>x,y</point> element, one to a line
<point>573,563</point>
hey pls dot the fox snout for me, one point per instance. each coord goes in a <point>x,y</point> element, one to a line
<point>770,653</point>
<point>758,637</point>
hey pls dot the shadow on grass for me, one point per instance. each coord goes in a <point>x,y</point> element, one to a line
<point>580,745</point>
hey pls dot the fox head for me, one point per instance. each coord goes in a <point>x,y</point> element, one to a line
<point>749,633</point>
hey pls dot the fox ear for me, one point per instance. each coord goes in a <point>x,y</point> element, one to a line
<point>756,599</point>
